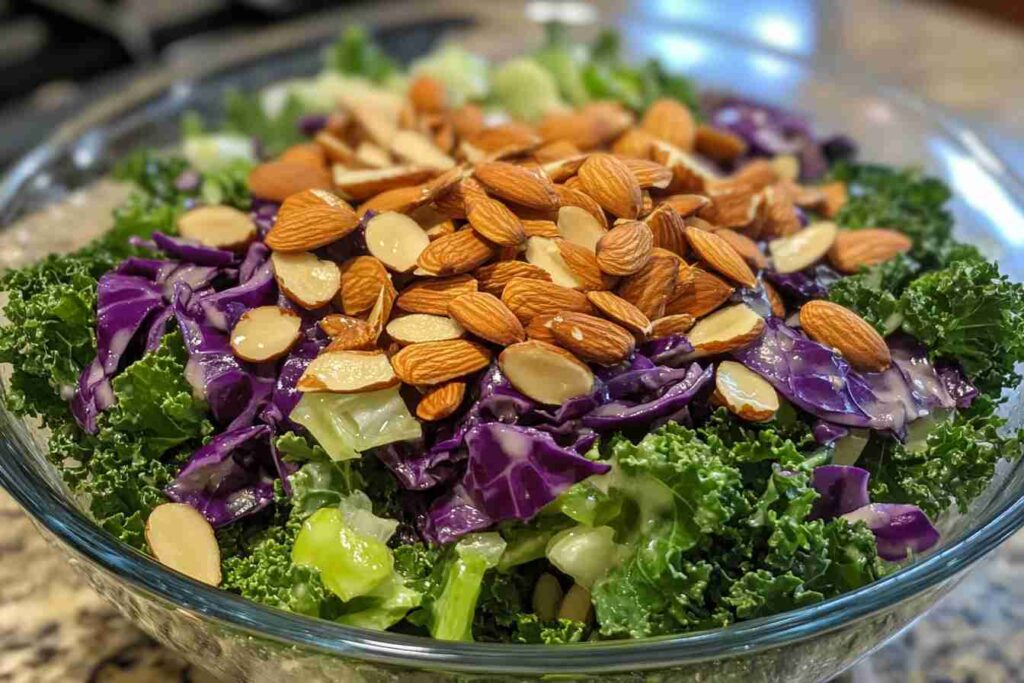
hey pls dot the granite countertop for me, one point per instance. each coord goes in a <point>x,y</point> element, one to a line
<point>54,628</point>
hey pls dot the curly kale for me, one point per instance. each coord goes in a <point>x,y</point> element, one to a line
<point>531,629</point>
<point>874,292</point>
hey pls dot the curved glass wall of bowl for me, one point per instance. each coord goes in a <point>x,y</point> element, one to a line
<point>242,640</point>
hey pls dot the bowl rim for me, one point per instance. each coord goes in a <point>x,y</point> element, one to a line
<point>74,529</point>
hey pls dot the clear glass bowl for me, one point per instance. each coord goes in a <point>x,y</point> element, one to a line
<point>240,640</point>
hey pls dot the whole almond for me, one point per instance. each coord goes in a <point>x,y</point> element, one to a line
<point>854,249</point>
<point>721,256</point>
<point>517,184</point>
<point>649,173</point>
<point>361,184</point>
<point>758,173</point>
<point>777,214</point>
<point>400,199</point>
<point>361,280</point>
<point>650,287</point>
<point>539,328</point>
<point>733,205</point>
<point>719,144</point>
<point>527,298</point>
<point>697,292</point>
<point>493,277</point>
<point>540,228</point>
<point>591,338</point>
<point>432,295</point>
<point>457,253</point>
<point>487,317</point>
<point>671,325</point>
<point>625,249</point>
<point>687,204</point>
<point>669,120</point>
<point>575,127</point>
<point>495,222</point>
<point>311,219</point>
<point>635,142</point>
<point>572,197</point>
<point>610,182</point>
<point>618,310</point>
<point>441,401</point>
<point>278,180</point>
<point>668,229</point>
<point>468,120</point>
<point>745,247</point>
<point>506,136</point>
<point>308,153</point>
<point>848,333</point>
<point>430,363</point>
<point>584,266</point>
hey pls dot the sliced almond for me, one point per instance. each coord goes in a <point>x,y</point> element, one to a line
<point>396,240</point>
<point>625,249</point>
<point>610,182</point>
<point>432,363</point>
<point>745,393</point>
<point>311,219</point>
<point>555,151</point>
<point>381,311</point>
<point>758,173</point>
<point>697,292</point>
<point>786,166</point>
<point>778,216</point>
<point>577,225</point>
<point>335,149</point>
<point>419,150</point>
<point>848,333</point>
<point>348,333</point>
<point>278,180</point>
<point>495,222</point>
<point>855,249</point>
<point>669,120</point>
<point>441,401</point>
<point>308,281</point>
<point>454,254</point>
<point>539,228</point>
<point>363,184</point>
<point>545,373</point>
<point>649,173</point>
<point>719,144</point>
<point>348,372</point>
<point>434,295</point>
<point>220,227</point>
<point>804,248</point>
<point>720,256</point>
<point>487,317</point>
<point>182,539</point>
<point>416,328</point>
<point>591,338</point>
<point>583,265</point>
<point>378,120</point>
<point>373,156</point>
<point>493,277</point>
<point>539,328</point>
<point>835,196</point>
<point>729,329</point>
<point>265,333</point>
<point>545,254</point>
<point>361,280</point>
<point>620,311</point>
<point>745,247</point>
<point>517,184</point>
<point>650,287</point>
<point>668,229</point>
<point>564,169</point>
<point>689,173</point>
<point>399,200</point>
<point>527,298</point>
<point>670,325</point>
<point>733,205</point>
<point>308,153</point>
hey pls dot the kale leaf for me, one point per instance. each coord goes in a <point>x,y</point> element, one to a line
<point>874,292</point>
<point>356,54</point>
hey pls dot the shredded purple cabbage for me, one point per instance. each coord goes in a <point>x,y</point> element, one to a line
<point>899,529</point>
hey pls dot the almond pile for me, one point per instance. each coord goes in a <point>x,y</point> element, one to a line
<point>548,247</point>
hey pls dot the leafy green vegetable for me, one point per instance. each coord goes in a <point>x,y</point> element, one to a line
<point>355,54</point>
<point>245,114</point>
<point>530,628</point>
<point>525,89</point>
<point>874,292</point>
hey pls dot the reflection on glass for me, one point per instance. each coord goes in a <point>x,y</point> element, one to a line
<point>787,25</point>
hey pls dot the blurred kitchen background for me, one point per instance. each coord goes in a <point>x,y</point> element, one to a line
<point>58,56</point>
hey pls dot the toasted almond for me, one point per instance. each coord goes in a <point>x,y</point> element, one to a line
<point>457,253</point>
<point>745,393</point>
<point>778,307</point>
<point>517,184</point>
<point>527,297</point>
<point>804,248</point>
<point>697,292</point>
<point>434,294</point>
<point>378,120</point>
<point>220,227</point>
<point>610,182</point>
<point>545,372</point>
<point>396,240</point>
<point>399,200</point>
<point>427,94</point>
<point>361,280</point>
<point>493,277</point>
<point>546,255</point>
<point>416,328</point>
<point>729,329</point>
<point>363,184</point>
<point>591,338</point>
<point>308,153</point>
<point>539,228</point>
<point>487,317</point>
<point>719,144</point>
<point>720,256</point>
<point>348,333</point>
<point>635,142</point>
<point>649,173</point>
<point>835,196</point>
<point>848,333</point>
<point>575,127</point>
<point>419,150</point>
<point>381,311</point>
<point>612,118</point>
<point>444,183</point>
<point>745,247</point>
<point>278,180</point>
<point>451,204</point>
<point>646,204</point>
<point>495,222</point>
<point>777,214</point>
<point>671,325</point>
<point>687,205</point>
<point>311,219</point>
<point>670,121</point>
<point>432,363</point>
<point>583,265</point>
<point>577,225</point>
<point>441,401</point>
<point>308,281</point>
<point>564,169</point>
<point>182,539</point>
<point>620,311</point>
<point>348,372</point>
<point>265,333</point>
<point>370,155</point>
<point>668,230</point>
<point>733,205</point>
<point>854,249</point>
<point>539,328</point>
<point>335,149</point>
<point>650,287</point>
<point>625,249</point>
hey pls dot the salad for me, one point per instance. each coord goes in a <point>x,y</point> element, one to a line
<point>550,350</point>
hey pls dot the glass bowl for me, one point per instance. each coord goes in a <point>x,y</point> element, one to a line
<point>241,640</point>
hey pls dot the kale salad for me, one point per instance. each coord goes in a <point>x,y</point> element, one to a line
<point>542,351</point>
